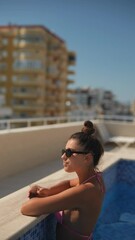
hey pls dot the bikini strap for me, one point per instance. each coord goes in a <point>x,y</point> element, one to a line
<point>98,176</point>
<point>89,178</point>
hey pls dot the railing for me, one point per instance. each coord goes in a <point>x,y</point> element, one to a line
<point>28,122</point>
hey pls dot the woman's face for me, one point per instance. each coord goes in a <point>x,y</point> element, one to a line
<point>75,162</point>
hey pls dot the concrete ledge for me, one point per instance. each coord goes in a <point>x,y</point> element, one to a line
<point>12,223</point>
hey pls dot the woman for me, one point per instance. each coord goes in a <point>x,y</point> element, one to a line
<point>77,202</point>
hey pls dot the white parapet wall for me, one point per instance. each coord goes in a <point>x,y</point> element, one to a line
<point>25,148</point>
<point>121,128</point>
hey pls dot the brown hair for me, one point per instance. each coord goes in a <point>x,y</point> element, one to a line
<point>86,138</point>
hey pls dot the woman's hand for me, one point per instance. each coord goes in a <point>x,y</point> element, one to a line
<point>37,191</point>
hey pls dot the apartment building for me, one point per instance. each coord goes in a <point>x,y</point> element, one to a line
<point>36,71</point>
<point>92,101</point>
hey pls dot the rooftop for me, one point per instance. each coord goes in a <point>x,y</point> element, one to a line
<point>28,146</point>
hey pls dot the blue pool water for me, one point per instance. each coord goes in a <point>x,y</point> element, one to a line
<point>117,219</point>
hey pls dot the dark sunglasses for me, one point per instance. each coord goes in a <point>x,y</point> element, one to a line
<point>69,152</point>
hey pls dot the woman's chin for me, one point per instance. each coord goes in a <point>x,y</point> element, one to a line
<point>68,169</point>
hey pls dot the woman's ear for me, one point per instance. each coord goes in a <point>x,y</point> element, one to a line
<point>89,158</point>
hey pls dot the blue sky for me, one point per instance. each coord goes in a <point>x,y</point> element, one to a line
<point>102,32</point>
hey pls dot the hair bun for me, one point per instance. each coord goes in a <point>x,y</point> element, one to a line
<point>88,128</point>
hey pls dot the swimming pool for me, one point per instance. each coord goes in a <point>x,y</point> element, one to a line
<point>117,218</point>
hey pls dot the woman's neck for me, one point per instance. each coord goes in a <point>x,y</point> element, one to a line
<point>83,177</point>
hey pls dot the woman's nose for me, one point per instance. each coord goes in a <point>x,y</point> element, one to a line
<point>63,156</point>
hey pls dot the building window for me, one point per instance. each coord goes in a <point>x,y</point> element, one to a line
<point>14,78</point>
<point>20,78</point>
<point>2,90</point>
<point>19,90</point>
<point>52,69</point>
<point>27,38</point>
<point>2,100</point>
<point>25,53</point>
<point>3,66</point>
<point>24,78</point>
<point>27,65</point>
<point>5,41</point>
<point>3,54</point>
<point>3,78</point>
<point>58,83</point>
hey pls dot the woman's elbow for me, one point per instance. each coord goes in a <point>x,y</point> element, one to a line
<point>25,210</point>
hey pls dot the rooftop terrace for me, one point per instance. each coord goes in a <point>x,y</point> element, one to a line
<point>32,155</point>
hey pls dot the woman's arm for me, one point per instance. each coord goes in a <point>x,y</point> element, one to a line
<point>68,199</point>
<point>38,191</point>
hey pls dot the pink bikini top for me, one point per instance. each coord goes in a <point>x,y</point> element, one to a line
<point>59,215</point>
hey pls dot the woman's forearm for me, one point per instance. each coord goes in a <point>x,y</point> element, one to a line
<point>38,191</point>
<point>60,187</point>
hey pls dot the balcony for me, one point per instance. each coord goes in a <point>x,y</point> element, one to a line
<point>69,72</point>
<point>28,83</point>
<point>71,58</point>
<point>70,81</point>
<point>28,94</point>
<point>27,107</point>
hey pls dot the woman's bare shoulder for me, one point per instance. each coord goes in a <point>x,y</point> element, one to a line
<point>74,182</point>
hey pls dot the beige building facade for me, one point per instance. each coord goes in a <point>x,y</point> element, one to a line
<point>35,72</point>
